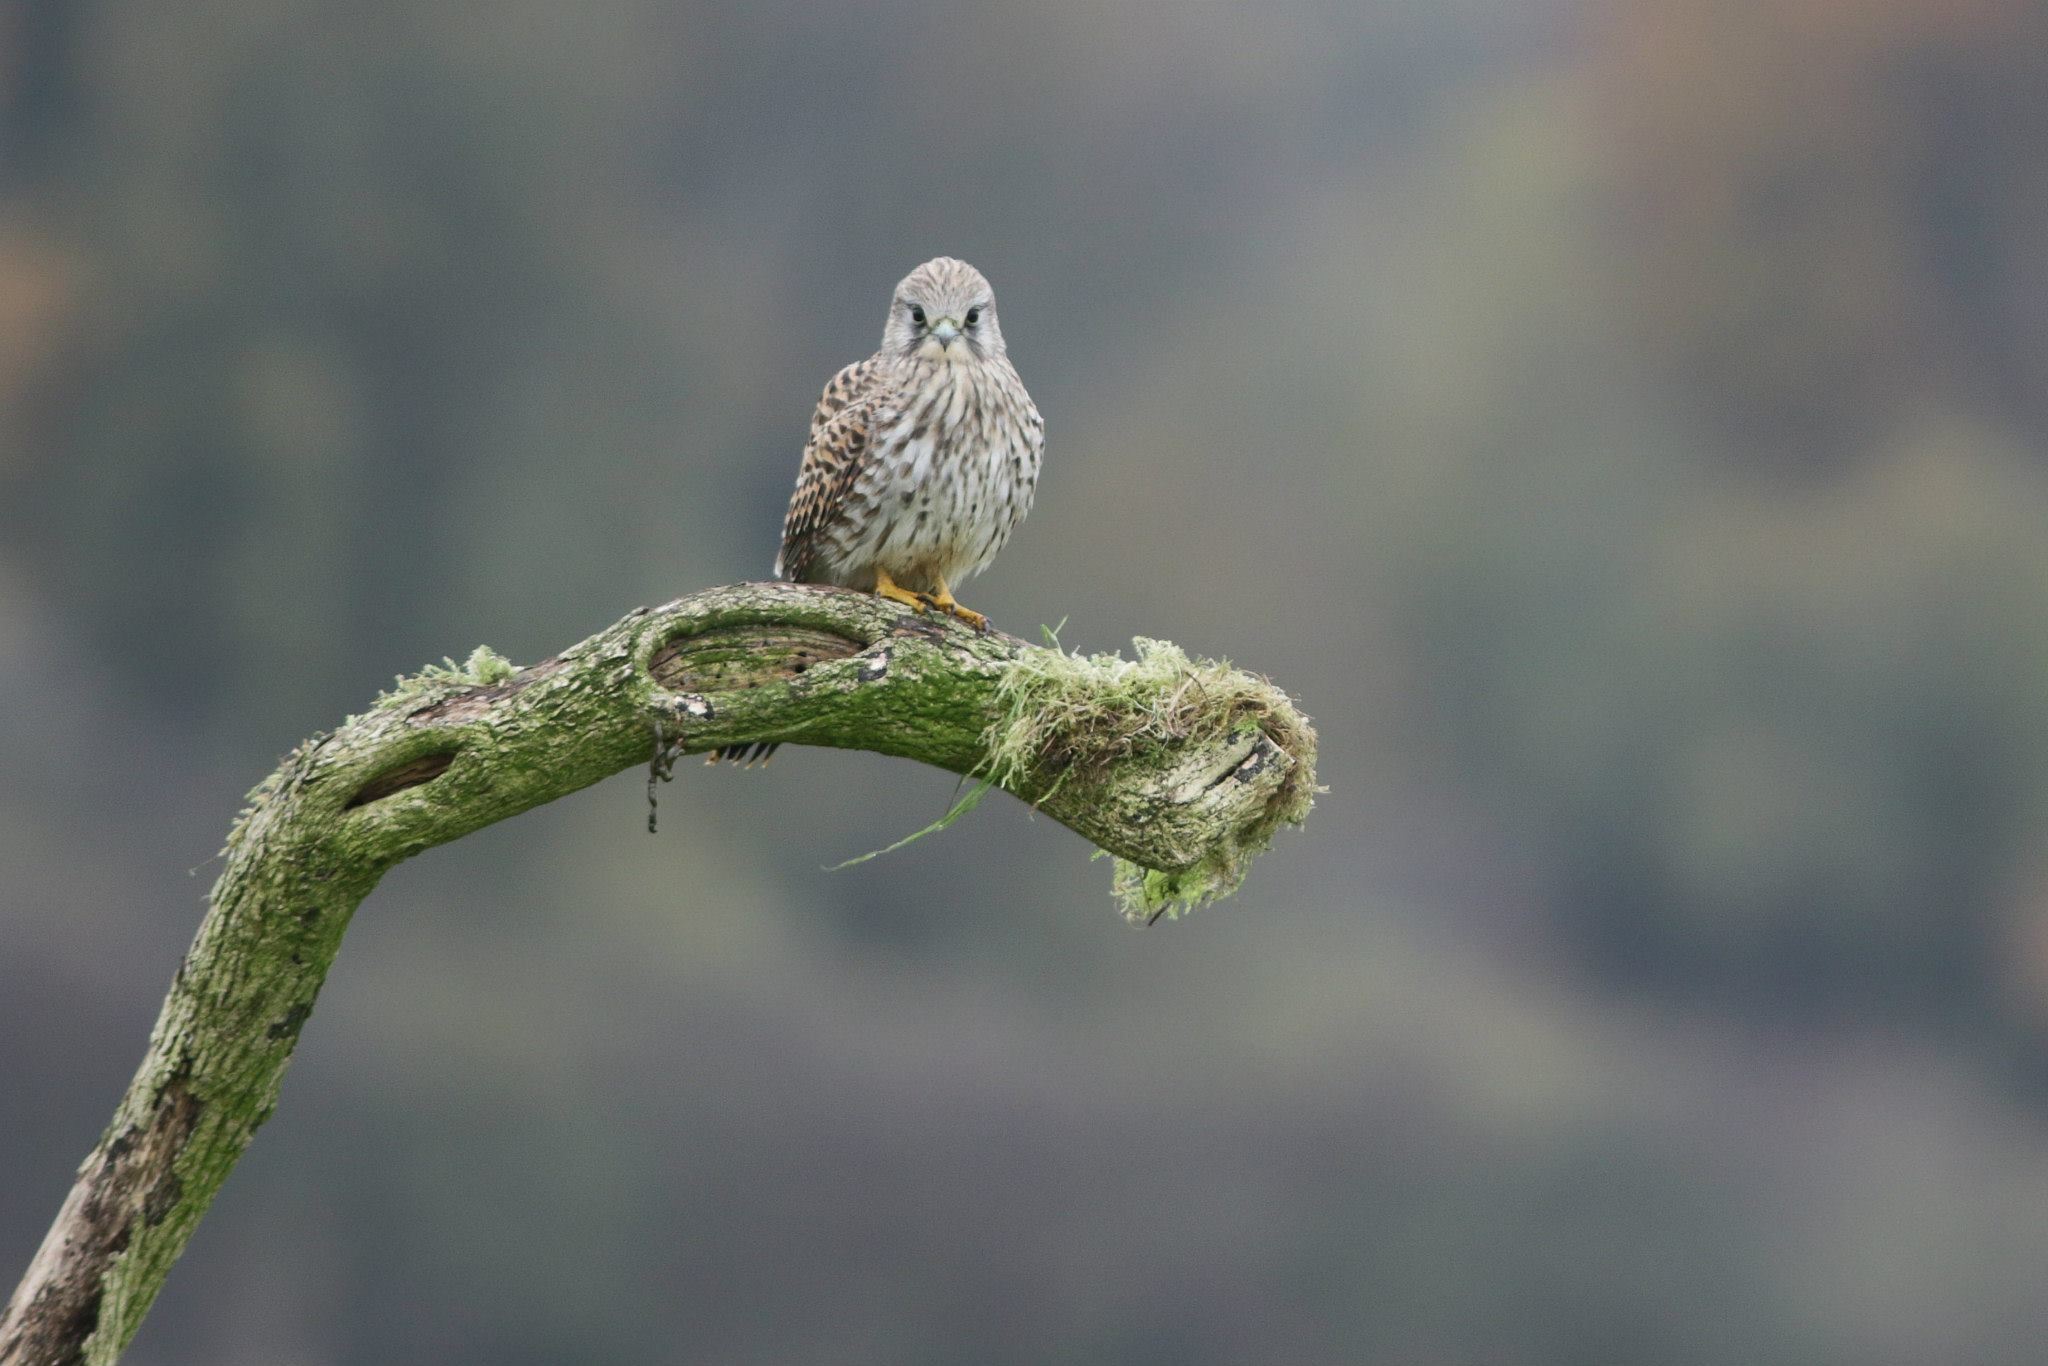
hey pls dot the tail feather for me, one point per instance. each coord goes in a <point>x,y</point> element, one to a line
<point>745,756</point>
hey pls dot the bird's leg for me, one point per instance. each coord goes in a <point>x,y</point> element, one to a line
<point>886,587</point>
<point>943,600</point>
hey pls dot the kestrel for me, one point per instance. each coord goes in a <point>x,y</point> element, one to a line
<point>923,458</point>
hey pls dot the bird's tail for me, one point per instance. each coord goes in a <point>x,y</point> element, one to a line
<point>745,756</point>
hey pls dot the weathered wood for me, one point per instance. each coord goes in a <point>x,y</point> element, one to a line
<point>457,749</point>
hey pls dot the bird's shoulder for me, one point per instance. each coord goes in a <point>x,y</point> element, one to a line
<point>848,411</point>
<point>854,393</point>
<point>858,399</point>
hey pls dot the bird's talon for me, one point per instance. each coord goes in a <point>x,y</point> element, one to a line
<point>887,587</point>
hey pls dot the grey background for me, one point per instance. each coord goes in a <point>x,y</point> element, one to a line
<point>1620,424</point>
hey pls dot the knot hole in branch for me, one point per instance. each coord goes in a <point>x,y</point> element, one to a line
<point>411,773</point>
<point>731,657</point>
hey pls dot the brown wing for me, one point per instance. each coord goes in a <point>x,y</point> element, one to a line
<point>832,461</point>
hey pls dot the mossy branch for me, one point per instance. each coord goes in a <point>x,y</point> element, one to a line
<point>1182,770</point>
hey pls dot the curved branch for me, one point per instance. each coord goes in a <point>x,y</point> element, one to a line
<point>1183,770</point>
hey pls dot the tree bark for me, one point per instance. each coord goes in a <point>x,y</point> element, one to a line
<point>454,750</point>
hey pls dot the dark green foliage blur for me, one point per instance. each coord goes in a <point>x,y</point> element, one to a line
<point>1621,424</point>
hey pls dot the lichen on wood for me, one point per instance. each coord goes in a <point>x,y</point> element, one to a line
<point>1181,769</point>
<point>1091,713</point>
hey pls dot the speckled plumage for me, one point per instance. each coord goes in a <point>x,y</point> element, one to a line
<point>924,457</point>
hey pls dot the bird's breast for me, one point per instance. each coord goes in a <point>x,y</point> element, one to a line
<point>950,474</point>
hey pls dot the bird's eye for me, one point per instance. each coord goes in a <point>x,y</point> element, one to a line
<point>917,315</point>
<point>973,316</point>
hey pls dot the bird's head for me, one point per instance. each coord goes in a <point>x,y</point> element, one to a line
<point>943,310</point>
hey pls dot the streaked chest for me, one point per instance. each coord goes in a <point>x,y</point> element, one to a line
<point>954,424</point>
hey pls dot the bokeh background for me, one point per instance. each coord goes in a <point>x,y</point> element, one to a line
<point>1623,423</point>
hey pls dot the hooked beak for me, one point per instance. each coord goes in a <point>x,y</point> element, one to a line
<point>945,329</point>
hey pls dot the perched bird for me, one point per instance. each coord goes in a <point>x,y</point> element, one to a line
<point>922,459</point>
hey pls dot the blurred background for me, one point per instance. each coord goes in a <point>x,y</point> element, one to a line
<point>1623,425</point>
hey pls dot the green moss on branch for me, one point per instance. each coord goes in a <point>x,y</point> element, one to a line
<point>1182,769</point>
<point>1088,714</point>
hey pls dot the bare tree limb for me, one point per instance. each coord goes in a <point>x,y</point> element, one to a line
<point>1182,769</point>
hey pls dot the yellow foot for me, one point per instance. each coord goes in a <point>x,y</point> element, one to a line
<point>943,600</point>
<point>886,587</point>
